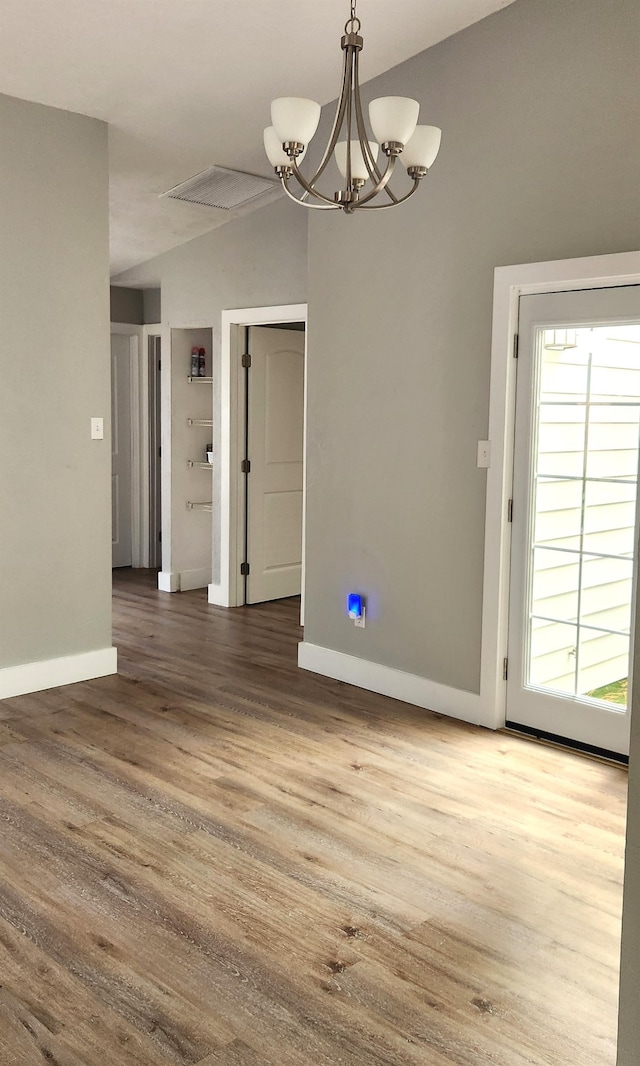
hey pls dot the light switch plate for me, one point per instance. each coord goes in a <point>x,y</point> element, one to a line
<point>97,429</point>
<point>484,454</point>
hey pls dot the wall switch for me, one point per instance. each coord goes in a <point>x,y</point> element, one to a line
<point>97,429</point>
<point>484,454</point>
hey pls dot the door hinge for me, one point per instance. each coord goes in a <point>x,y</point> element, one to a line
<point>245,466</point>
<point>510,511</point>
<point>246,360</point>
<point>516,343</point>
<point>159,364</point>
<point>505,669</point>
<point>244,569</point>
<point>159,451</point>
<point>160,536</point>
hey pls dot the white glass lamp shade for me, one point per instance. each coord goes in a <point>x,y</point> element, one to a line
<point>275,152</point>
<point>393,118</point>
<point>295,119</point>
<point>358,166</point>
<point>423,147</point>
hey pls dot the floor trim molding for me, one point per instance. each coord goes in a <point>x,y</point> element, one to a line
<point>50,673</point>
<point>168,581</point>
<point>184,580</point>
<point>410,688</point>
<point>194,579</point>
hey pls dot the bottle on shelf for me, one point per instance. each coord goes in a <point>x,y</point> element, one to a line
<point>202,363</point>
<point>195,362</point>
<point>209,453</point>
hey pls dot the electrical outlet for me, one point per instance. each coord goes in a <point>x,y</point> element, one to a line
<point>97,429</point>
<point>359,623</point>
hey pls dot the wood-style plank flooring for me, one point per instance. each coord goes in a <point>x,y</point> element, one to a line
<point>216,858</point>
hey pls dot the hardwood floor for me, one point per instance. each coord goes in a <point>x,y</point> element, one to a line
<point>215,858</point>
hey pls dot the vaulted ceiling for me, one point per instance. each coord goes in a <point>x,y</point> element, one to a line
<point>184,85</point>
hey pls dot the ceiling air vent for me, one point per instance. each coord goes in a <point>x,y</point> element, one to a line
<point>219,187</point>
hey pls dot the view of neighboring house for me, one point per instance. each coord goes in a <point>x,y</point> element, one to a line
<point>585,511</point>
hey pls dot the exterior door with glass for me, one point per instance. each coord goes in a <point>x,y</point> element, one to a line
<point>574,515</point>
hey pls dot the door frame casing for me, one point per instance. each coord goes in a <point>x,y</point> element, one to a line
<point>228,591</point>
<point>138,347</point>
<point>134,333</point>
<point>510,283</point>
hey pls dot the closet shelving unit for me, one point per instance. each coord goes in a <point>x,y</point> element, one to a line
<point>204,505</point>
<point>197,464</point>
<point>193,433</point>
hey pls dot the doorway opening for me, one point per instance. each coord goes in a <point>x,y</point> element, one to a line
<point>263,412</point>
<point>271,393</point>
<point>512,282</point>
<point>574,527</point>
<point>136,492</point>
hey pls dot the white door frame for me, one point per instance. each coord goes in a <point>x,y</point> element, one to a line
<point>228,591</point>
<point>511,282</point>
<point>138,345</point>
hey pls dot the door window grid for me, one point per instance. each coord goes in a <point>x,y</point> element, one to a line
<point>573,391</point>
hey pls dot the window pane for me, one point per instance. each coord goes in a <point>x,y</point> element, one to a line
<point>603,660</point>
<point>609,517</point>
<point>558,513</point>
<point>563,375</point>
<point>605,599</point>
<point>556,579</point>
<point>613,441</point>
<point>584,512</point>
<point>553,656</point>
<point>561,439</point>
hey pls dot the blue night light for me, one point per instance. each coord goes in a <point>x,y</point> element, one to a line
<point>354,605</point>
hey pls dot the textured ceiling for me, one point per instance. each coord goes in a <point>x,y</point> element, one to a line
<point>187,85</point>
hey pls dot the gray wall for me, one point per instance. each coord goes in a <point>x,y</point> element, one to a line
<point>151,306</point>
<point>126,305</point>
<point>136,307</point>
<point>539,161</point>
<point>254,261</point>
<point>55,483</point>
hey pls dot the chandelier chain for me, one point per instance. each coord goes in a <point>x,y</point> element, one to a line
<point>353,24</point>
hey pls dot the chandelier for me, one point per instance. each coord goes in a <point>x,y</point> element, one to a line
<point>394,122</point>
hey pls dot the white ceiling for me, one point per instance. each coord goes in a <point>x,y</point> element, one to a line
<point>185,84</point>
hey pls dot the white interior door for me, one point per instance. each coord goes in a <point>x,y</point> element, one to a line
<point>275,416</point>
<point>121,450</point>
<point>574,532</point>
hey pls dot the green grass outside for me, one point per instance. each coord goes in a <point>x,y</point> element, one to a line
<point>616,692</point>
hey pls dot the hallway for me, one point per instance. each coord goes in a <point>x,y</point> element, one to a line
<point>214,858</point>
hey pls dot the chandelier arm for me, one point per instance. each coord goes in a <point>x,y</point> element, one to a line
<point>316,207</point>
<point>382,183</point>
<point>374,170</point>
<point>384,207</point>
<point>350,95</point>
<point>337,123</point>
<point>307,187</point>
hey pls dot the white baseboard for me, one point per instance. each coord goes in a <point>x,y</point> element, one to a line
<point>194,579</point>
<point>217,596</point>
<point>410,688</point>
<point>67,670</point>
<point>168,581</point>
<point>184,580</point>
